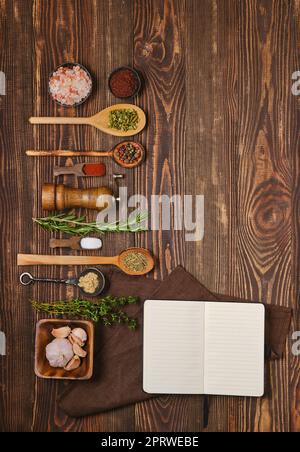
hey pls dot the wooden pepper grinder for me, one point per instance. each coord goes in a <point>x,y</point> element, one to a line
<point>60,197</point>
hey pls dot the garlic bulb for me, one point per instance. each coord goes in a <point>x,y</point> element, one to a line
<point>59,352</point>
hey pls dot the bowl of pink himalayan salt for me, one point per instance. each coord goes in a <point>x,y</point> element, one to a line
<point>70,84</point>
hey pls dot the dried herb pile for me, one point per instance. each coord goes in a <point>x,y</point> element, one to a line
<point>136,262</point>
<point>124,119</point>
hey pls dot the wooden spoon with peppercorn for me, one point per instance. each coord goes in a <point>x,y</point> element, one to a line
<point>128,154</point>
<point>120,120</point>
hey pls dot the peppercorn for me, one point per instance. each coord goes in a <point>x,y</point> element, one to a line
<point>128,153</point>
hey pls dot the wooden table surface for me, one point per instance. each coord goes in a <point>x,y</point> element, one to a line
<point>222,123</point>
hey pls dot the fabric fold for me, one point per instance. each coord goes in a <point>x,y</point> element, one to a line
<point>118,363</point>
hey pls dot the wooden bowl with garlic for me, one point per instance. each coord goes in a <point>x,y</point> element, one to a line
<point>64,349</point>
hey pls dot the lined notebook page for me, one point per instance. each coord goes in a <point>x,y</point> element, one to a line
<point>234,349</point>
<point>173,347</point>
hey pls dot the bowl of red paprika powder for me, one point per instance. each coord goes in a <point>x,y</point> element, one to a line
<point>124,82</point>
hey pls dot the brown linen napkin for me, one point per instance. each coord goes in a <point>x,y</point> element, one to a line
<point>118,365</point>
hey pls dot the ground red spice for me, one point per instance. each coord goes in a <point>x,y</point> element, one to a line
<point>94,169</point>
<point>123,83</point>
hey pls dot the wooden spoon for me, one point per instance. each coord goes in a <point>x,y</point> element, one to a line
<point>99,120</point>
<point>118,261</point>
<point>112,153</point>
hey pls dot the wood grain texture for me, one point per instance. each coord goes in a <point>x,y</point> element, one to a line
<point>17,322</point>
<point>222,123</point>
<point>294,371</point>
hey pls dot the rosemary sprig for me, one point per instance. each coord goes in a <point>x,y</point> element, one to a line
<point>73,225</point>
<point>107,310</point>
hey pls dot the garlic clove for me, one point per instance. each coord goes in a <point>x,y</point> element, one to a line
<point>79,351</point>
<point>80,334</point>
<point>75,340</point>
<point>61,332</point>
<point>73,364</point>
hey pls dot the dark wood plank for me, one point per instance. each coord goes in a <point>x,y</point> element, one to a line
<point>160,56</point>
<point>294,363</point>
<point>263,238</point>
<point>17,322</point>
<point>208,147</point>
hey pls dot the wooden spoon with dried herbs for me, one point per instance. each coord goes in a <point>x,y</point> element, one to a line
<point>133,261</point>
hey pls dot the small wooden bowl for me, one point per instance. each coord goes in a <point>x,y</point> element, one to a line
<point>135,74</point>
<point>43,337</point>
<point>70,65</point>
<point>129,165</point>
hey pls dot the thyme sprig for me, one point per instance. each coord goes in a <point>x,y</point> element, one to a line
<point>73,225</point>
<point>106,310</point>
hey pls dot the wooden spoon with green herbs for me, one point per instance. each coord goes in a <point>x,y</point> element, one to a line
<point>121,120</point>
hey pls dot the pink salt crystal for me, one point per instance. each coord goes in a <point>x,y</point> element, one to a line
<point>70,85</point>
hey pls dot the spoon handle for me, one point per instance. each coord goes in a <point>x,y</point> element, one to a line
<point>26,279</point>
<point>59,120</point>
<point>72,282</point>
<point>62,170</point>
<point>69,153</point>
<point>35,259</point>
<point>73,243</point>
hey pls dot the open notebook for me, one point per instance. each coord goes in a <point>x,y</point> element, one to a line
<point>195,347</point>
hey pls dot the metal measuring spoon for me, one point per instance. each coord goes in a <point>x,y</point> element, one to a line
<point>26,279</point>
